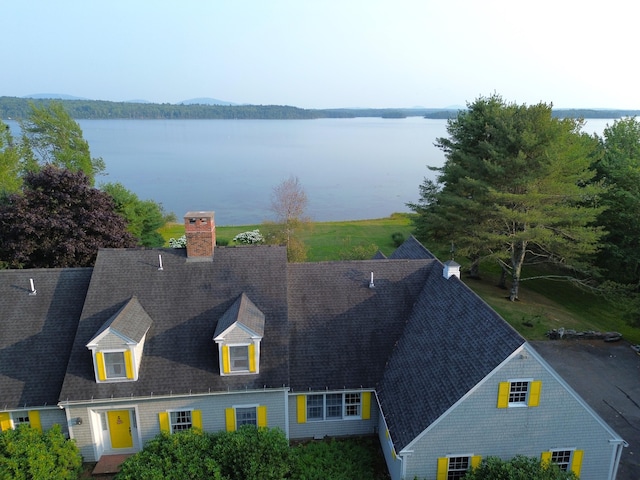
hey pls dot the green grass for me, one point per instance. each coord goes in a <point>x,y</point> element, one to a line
<point>542,305</point>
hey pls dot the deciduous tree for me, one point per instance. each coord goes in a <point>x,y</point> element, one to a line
<point>143,217</point>
<point>289,203</point>
<point>59,220</point>
<point>9,163</point>
<point>516,186</point>
<point>51,137</point>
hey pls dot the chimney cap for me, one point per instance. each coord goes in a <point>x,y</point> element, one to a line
<point>198,214</point>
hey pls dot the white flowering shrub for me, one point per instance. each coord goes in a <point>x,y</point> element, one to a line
<point>253,237</point>
<point>180,242</point>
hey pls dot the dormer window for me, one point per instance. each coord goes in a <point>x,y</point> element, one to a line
<point>239,358</point>
<point>238,335</point>
<point>115,365</point>
<point>117,347</point>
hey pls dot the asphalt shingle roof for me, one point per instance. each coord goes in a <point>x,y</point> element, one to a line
<point>342,332</point>
<point>37,331</point>
<point>452,340</point>
<point>131,321</point>
<point>245,312</point>
<point>185,300</point>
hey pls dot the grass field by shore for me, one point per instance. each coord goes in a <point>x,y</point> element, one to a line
<point>543,304</point>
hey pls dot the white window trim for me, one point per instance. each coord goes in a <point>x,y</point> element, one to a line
<point>175,410</point>
<point>468,456</point>
<point>231,369</point>
<point>343,415</point>
<point>134,366</point>
<point>524,403</point>
<point>235,412</point>
<point>556,450</point>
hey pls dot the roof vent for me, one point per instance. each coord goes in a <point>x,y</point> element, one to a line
<point>32,289</point>
<point>160,262</point>
<point>371,284</point>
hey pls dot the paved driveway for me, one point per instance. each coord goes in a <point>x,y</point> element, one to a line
<point>607,376</point>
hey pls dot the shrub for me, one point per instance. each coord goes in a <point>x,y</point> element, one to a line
<point>397,238</point>
<point>182,455</point>
<point>180,242</point>
<point>26,453</point>
<point>252,453</point>
<point>252,237</point>
<point>519,467</point>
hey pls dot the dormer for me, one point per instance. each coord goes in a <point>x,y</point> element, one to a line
<point>116,349</point>
<point>238,336</point>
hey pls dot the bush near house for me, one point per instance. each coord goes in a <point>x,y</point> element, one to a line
<point>253,454</point>
<point>28,454</point>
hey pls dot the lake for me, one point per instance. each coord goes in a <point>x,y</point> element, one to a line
<point>350,169</point>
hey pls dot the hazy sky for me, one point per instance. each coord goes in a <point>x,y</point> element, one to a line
<point>325,53</point>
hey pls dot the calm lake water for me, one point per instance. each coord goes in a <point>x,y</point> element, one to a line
<point>351,169</point>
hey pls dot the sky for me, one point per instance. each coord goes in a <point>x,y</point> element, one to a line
<point>325,53</point>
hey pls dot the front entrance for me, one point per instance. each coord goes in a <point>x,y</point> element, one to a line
<point>120,428</point>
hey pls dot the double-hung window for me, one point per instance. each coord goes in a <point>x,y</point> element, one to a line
<point>519,393</point>
<point>456,467</point>
<point>567,460</point>
<point>114,365</point>
<point>246,416</point>
<point>180,420</point>
<point>239,358</point>
<point>177,421</point>
<point>20,418</point>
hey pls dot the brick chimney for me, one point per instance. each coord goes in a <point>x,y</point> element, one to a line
<point>200,230</point>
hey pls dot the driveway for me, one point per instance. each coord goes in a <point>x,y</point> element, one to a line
<point>607,377</point>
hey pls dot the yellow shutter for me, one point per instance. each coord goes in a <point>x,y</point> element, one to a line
<point>225,359</point>
<point>366,405</point>
<point>534,394</point>
<point>128,364</point>
<point>301,406</point>
<point>386,433</point>
<point>34,420</point>
<point>252,357</point>
<point>475,461</point>
<point>5,421</point>
<point>545,458</point>
<point>164,422</point>
<point>443,468</point>
<point>230,419</point>
<point>576,461</point>
<point>102,374</point>
<point>503,394</point>
<point>262,416</point>
<point>196,419</point>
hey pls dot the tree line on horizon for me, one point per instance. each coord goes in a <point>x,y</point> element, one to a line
<point>17,108</point>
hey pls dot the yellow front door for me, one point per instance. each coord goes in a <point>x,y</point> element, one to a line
<point>120,428</point>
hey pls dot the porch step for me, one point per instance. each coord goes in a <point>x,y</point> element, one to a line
<point>109,464</point>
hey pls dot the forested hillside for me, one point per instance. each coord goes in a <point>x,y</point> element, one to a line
<point>18,108</point>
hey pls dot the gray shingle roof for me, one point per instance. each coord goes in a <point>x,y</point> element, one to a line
<point>342,332</point>
<point>37,331</point>
<point>245,312</point>
<point>452,340</point>
<point>131,321</point>
<point>185,300</point>
<point>411,249</point>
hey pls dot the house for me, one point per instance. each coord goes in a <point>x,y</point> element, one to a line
<point>153,340</point>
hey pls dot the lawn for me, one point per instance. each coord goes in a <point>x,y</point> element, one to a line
<point>542,305</point>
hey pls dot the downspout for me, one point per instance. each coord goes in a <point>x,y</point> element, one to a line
<point>615,457</point>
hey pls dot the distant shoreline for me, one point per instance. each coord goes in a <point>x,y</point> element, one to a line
<point>12,108</point>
